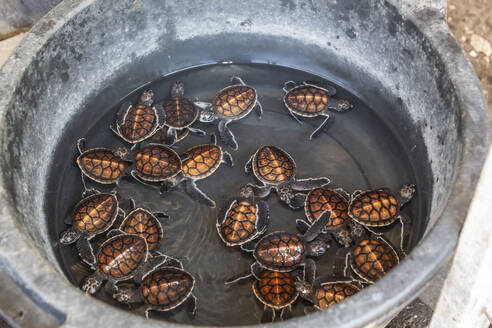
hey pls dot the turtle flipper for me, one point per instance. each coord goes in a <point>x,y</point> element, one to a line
<point>192,190</point>
<point>227,159</point>
<point>249,246</point>
<point>309,270</point>
<point>268,315</point>
<point>286,87</point>
<point>191,305</point>
<point>226,135</point>
<point>308,184</point>
<point>259,109</point>
<point>286,313</point>
<point>297,201</point>
<point>339,105</point>
<point>198,132</point>
<point>263,217</point>
<point>406,228</point>
<point>302,225</point>
<point>138,179</point>
<point>320,128</point>
<point>152,263</point>
<point>86,252</point>
<point>344,193</point>
<point>261,192</point>
<point>171,136</point>
<point>316,228</point>
<point>202,105</point>
<point>248,167</point>
<point>161,114</point>
<point>294,116</point>
<point>120,116</point>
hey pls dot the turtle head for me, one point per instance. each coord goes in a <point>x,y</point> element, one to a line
<point>92,284</point>
<point>147,97</point>
<point>343,104</point>
<point>286,194</point>
<point>318,248</point>
<point>406,193</point>
<point>124,295</point>
<point>305,289</point>
<point>247,191</point>
<point>344,237</point>
<point>177,90</point>
<point>69,236</point>
<point>207,115</point>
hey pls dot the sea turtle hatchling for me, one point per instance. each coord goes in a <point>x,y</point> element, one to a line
<point>92,216</point>
<point>310,100</point>
<point>277,291</point>
<point>181,113</point>
<point>276,169</point>
<point>135,123</point>
<point>242,218</point>
<point>121,257</point>
<point>163,289</point>
<point>231,104</point>
<point>285,251</point>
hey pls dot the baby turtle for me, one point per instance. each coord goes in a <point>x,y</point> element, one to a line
<point>160,136</point>
<point>135,123</point>
<point>326,294</point>
<point>181,113</point>
<point>101,164</point>
<point>164,289</point>
<point>276,169</point>
<point>242,219</point>
<point>231,104</point>
<point>310,100</point>
<point>340,225</point>
<point>121,257</point>
<point>142,222</point>
<point>93,215</point>
<point>276,290</point>
<point>285,251</point>
<point>378,208</point>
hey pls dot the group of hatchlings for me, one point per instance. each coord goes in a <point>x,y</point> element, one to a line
<point>283,269</point>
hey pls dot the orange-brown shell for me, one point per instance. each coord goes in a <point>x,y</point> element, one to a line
<point>166,288</point>
<point>373,258</point>
<point>180,112</point>
<point>275,289</point>
<point>144,224</point>
<point>331,293</point>
<point>374,208</point>
<point>101,165</point>
<point>307,100</point>
<point>160,136</point>
<point>139,123</point>
<point>201,161</point>
<point>157,163</point>
<point>239,225</point>
<point>280,251</point>
<point>273,166</point>
<point>235,102</point>
<point>95,214</point>
<point>120,256</point>
<point>319,200</point>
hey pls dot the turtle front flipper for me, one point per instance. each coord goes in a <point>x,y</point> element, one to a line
<point>302,225</point>
<point>320,128</point>
<point>86,252</point>
<point>254,271</point>
<point>249,246</point>
<point>316,228</point>
<point>260,191</point>
<point>263,217</point>
<point>227,159</point>
<point>191,305</point>
<point>196,131</point>
<point>406,228</point>
<point>309,270</point>
<point>259,109</point>
<point>192,190</point>
<point>226,135</point>
<point>171,136</point>
<point>120,116</point>
<point>152,263</point>
<point>311,183</point>
<point>248,167</point>
<point>297,201</point>
<point>161,115</point>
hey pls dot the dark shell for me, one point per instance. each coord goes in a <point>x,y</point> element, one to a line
<point>307,100</point>
<point>180,112</point>
<point>166,288</point>
<point>160,136</point>
<point>201,161</point>
<point>280,251</point>
<point>95,214</point>
<point>235,102</point>
<point>120,256</point>
<point>275,289</point>
<point>139,123</point>
<point>101,165</point>
<point>239,225</point>
<point>272,165</point>
<point>332,293</point>
<point>319,200</point>
<point>374,208</point>
<point>372,259</point>
<point>144,224</point>
<point>157,163</point>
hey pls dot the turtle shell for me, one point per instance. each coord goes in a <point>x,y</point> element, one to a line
<point>160,136</point>
<point>373,258</point>
<point>374,208</point>
<point>101,165</point>
<point>307,100</point>
<point>280,251</point>
<point>319,200</point>
<point>157,163</point>
<point>235,102</point>
<point>120,256</point>
<point>180,112</point>
<point>275,289</point>
<point>331,293</point>
<point>166,288</point>
<point>239,225</point>
<point>95,214</point>
<point>139,123</point>
<point>201,161</point>
<point>144,224</point>
<point>273,166</point>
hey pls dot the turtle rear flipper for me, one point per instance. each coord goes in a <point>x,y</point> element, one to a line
<point>268,315</point>
<point>86,252</point>
<point>320,128</point>
<point>226,135</point>
<point>191,305</point>
<point>192,190</point>
<point>311,183</point>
